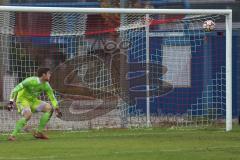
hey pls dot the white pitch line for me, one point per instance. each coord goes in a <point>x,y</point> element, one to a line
<point>27,158</point>
<point>178,150</point>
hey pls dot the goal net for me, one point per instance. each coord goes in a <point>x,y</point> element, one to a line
<point>118,69</point>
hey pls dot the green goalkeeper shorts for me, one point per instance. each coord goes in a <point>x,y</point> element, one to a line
<point>34,105</point>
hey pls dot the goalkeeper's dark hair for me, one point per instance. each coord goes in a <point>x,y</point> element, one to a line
<point>42,71</point>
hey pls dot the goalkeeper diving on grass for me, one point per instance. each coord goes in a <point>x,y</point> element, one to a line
<point>26,97</point>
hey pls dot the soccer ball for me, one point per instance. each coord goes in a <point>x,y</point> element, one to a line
<point>208,25</point>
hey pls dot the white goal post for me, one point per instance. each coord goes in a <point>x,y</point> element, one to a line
<point>228,21</point>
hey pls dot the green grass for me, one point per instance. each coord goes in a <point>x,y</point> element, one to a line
<point>139,144</point>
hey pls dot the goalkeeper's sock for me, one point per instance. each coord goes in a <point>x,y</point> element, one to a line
<point>19,125</point>
<point>43,121</point>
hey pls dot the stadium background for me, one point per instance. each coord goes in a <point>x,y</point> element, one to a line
<point>212,4</point>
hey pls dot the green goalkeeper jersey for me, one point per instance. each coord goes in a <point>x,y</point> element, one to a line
<point>31,88</point>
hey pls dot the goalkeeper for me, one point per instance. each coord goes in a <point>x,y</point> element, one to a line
<point>26,94</point>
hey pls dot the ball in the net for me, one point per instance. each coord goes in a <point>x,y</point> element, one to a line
<point>208,25</point>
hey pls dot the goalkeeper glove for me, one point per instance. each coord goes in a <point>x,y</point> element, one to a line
<point>58,113</point>
<point>10,106</point>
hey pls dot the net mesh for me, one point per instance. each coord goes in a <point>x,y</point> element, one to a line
<point>98,64</point>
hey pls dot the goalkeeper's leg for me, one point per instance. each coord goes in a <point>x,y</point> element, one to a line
<point>26,112</point>
<point>48,110</point>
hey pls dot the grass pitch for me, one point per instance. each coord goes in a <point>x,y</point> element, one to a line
<point>138,144</point>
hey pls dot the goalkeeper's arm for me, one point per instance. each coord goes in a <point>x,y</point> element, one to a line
<point>53,100</point>
<point>15,91</point>
<point>13,96</point>
<point>19,87</point>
